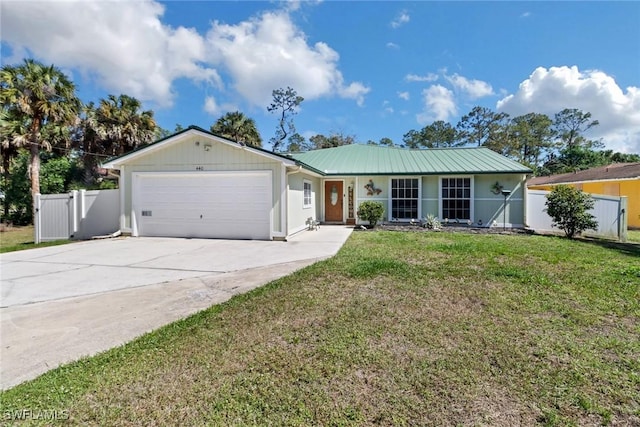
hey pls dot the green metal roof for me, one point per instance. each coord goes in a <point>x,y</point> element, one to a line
<point>358,159</point>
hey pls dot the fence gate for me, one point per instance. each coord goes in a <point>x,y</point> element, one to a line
<point>52,217</point>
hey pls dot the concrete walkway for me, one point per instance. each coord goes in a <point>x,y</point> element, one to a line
<point>64,302</point>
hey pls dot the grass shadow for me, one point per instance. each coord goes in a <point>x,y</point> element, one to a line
<point>627,248</point>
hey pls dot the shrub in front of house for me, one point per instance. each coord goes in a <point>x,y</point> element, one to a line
<point>432,222</point>
<point>568,207</point>
<point>371,211</point>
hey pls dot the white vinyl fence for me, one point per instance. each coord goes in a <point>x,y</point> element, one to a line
<point>610,212</point>
<point>76,215</point>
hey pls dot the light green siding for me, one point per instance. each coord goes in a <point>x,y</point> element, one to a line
<point>361,192</point>
<point>297,213</point>
<point>487,206</point>
<point>379,182</point>
<point>430,196</point>
<point>195,153</point>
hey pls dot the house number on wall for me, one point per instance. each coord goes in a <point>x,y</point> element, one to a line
<point>199,168</point>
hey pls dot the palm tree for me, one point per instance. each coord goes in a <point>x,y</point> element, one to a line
<point>125,125</point>
<point>40,100</point>
<point>239,128</point>
<point>115,127</point>
<point>90,137</point>
<point>12,138</point>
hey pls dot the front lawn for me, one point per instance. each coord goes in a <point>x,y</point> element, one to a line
<point>399,328</point>
<point>21,238</point>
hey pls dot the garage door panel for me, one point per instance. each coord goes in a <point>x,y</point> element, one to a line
<point>232,205</point>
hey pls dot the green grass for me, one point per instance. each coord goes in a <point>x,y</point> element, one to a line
<point>397,329</point>
<point>21,238</point>
<point>633,236</point>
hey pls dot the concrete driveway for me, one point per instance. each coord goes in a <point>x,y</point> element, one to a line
<point>61,303</point>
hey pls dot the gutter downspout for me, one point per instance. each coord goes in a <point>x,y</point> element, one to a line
<point>525,201</point>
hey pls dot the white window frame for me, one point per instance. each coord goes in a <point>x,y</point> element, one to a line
<point>307,199</point>
<point>418,199</point>
<point>471,196</point>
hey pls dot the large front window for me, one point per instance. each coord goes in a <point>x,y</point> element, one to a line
<point>404,198</point>
<point>456,198</point>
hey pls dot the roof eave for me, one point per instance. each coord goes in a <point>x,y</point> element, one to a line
<point>423,173</point>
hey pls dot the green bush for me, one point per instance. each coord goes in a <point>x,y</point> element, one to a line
<point>371,211</point>
<point>568,207</point>
<point>57,173</point>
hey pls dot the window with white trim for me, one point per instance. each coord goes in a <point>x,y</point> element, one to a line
<point>307,196</point>
<point>456,198</point>
<point>405,197</point>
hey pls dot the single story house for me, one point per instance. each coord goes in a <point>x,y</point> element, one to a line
<point>197,184</point>
<point>618,179</point>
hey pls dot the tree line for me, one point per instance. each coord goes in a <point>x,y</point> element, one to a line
<point>547,145</point>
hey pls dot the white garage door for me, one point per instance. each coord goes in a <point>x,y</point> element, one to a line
<point>222,205</point>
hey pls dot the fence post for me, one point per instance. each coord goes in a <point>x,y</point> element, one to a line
<point>622,219</point>
<point>37,230</point>
<point>82,213</point>
<point>73,212</point>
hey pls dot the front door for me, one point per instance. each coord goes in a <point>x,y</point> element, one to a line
<point>333,197</point>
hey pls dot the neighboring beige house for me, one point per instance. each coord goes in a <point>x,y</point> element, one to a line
<point>197,184</point>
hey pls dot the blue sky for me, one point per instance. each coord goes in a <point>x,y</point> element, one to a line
<point>366,69</point>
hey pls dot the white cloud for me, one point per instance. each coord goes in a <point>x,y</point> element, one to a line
<point>439,104</point>
<point>430,77</point>
<point>404,95</point>
<point>402,18</point>
<point>123,45</point>
<point>392,45</point>
<point>473,88</point>
<point>269,52</point>
<point>525,15</point>
<point>126,48</point>
<point>549,91</point>
<point>355,91</point>
<point>211,106</point>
